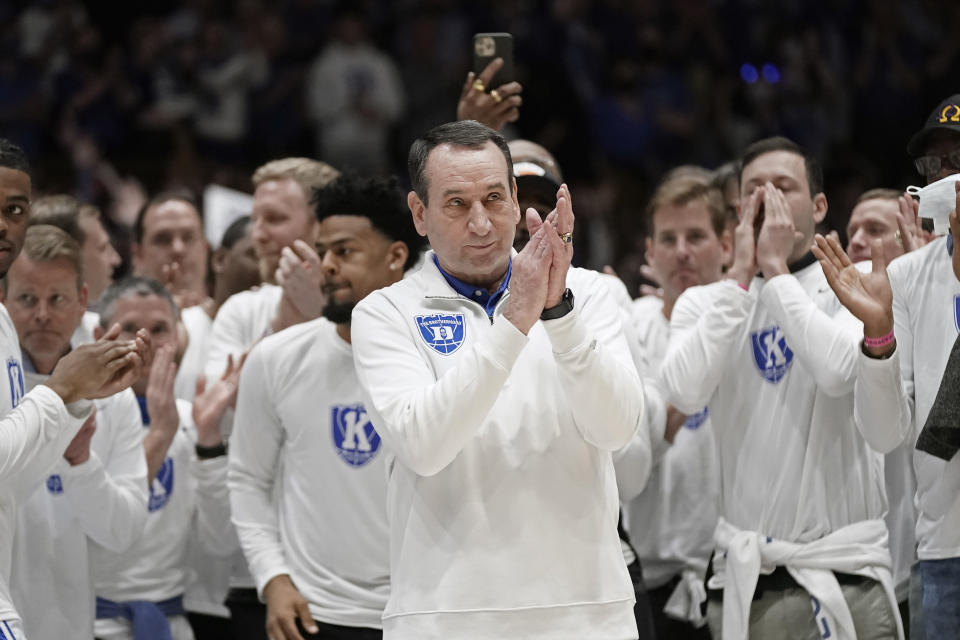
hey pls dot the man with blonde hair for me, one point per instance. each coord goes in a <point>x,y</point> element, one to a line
<point>96,494</point>
<point>81,222</point>
<point>671,519</point>
<point>283,234</point>
<point>283,229</point>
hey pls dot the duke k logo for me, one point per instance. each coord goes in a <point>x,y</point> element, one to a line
<point>55,484</point>
<point>162,487</point>
<point>354,437</point>
<point>442,333</point>
<point>771,353</point>
<point>15,376</point>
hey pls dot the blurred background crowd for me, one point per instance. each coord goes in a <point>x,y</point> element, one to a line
<point>112,101</point>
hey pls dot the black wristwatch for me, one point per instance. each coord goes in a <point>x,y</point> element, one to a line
<point>208,453</point>
<point>560,310</point>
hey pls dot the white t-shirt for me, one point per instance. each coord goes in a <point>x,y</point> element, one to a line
<point>194,360</point>
<point>301,425</point>
<point>894,396</point>
<point>242,320</point>
<point>34,432</point>
<point>501,493</point>
<point>186,494</point>
<point>83,334</point>
<point>776,367</point>
<point>671,522</point>
<point>100,502</point>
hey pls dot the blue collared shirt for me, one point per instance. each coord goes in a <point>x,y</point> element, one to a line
<point>479,295</point>
<point>950,244</point>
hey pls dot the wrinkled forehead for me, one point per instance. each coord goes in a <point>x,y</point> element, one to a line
<point>452,168</point>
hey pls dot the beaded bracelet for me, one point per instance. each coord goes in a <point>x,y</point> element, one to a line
<point>879,342</point>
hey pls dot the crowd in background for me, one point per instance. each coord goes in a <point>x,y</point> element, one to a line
<point>114,101</point>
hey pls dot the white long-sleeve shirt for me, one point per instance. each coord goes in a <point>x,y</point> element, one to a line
<point>894,396</point>
<point>301,425</point>
<point>242,320</point>
<point>501,492</point>
<point>671,522</point>
<point>187,493</point>
<point>194,361</point>
<point>34,432</point>
<point>776,367</point>
<point>100,502</point>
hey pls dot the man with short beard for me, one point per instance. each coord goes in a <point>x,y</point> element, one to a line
<point>320,556</point>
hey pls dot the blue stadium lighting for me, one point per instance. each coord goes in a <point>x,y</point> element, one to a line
<point>771,74</point>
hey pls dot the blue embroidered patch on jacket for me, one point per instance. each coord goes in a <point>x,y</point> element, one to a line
<point>443,333</point>
<point>770,352</point>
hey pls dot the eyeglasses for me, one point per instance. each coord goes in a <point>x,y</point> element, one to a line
<point>929,165</point>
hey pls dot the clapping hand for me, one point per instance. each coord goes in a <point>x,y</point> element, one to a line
<point>868,296</point>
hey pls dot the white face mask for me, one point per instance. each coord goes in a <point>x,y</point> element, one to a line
<point>937,200</point>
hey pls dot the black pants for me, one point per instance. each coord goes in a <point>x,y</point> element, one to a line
<point>210,627</point>
<point>248,615</point>
<point>666,627</point>
<point>336,632</point>
<point>641,610</point>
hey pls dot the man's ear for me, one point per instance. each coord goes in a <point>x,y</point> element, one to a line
<point>516,203</point>
<point>218,260</point>
<point>726,247</point>
<point>84,295</point>
<point>819,207</point>
<point>397,254</point>
<point>418,211</point>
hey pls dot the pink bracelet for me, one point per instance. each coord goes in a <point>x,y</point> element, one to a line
<point>743,286</point>
<point>879,342</point>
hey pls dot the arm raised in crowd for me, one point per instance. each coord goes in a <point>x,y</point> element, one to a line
<point>37,432</point>
<point>593,358</point>
<point>706,322</point>
<point>825,344</point>
<point>883,393</point>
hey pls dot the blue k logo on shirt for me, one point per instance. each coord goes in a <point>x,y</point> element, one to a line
<point>162,487</point>
<point>55,484</point>
<point>442,333</point>
<point>354,437</point>
<point>771,353</point>
<point>15,376</point>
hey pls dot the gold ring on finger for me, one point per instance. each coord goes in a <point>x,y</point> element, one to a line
<point>478,85</point>
<point>898,238</point>
<point>566,237</point>
<point>496,96</point>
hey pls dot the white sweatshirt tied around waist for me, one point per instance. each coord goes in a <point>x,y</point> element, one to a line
<point>859,548</point>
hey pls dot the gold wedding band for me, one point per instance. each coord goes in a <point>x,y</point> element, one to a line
<point>496,96</point>
<point>478,85</point>
<point>898,238</point>
<point>566,237</point>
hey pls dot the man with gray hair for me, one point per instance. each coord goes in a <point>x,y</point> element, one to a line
<point>501,383</point>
